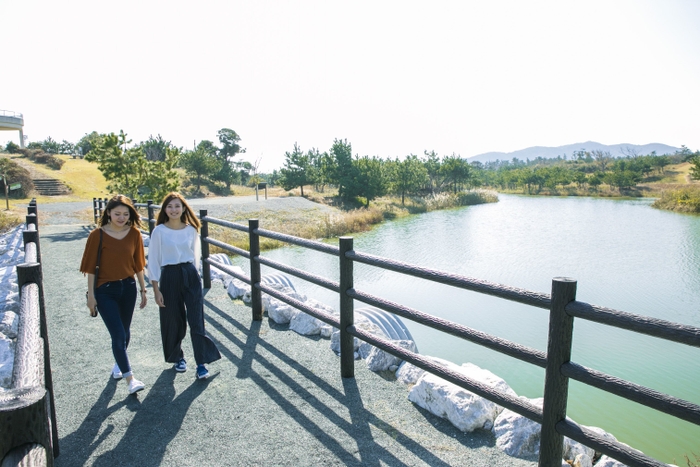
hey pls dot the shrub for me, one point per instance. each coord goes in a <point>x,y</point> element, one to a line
<point>682,200</point>
<point>8,221</point>
<point>40,157</point>
<point>55,163</point>
<point>12,148</point>
<point>16,174</point>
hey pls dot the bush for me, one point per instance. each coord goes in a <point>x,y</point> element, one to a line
<point>8,221</point>
<point>682,200</point>
<point>16,174</point>
<point>12,148</point>
<point>40,157</point>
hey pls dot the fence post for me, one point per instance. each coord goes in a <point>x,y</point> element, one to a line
<point>30,273</point>
<point>32,236</point>
<point>150,216</point>
<point>94,209</point>
<point>556,385</point>
<point>204,234</point>
<point>255,276</point>
<point>347,318</point>
<point>32,219</point>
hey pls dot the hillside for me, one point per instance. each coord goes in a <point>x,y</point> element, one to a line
<point>616,150</point>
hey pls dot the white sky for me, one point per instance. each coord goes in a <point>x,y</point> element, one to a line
<point>391,77</point>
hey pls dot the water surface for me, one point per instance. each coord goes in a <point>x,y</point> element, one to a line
<point>624,255</point>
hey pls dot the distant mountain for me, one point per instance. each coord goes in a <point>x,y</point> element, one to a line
<point>617,150</point>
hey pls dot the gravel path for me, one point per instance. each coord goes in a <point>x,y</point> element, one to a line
<point>275,398</point>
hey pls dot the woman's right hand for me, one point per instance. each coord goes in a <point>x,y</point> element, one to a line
<point>159,298</point>
<point>92,305</point>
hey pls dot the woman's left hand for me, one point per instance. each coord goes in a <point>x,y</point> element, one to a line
<point>144,300</point>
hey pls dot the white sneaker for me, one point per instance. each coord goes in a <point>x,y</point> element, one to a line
<point>135,386</point>
<point>116,372</point>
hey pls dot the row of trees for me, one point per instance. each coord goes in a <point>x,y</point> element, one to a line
<point>585,170</point>
<point>371,177</point>
<point>147,170</point>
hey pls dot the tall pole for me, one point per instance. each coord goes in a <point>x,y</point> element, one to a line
<point>7,191</point>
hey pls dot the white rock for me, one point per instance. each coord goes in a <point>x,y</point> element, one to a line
<point>378,360</point>
<point>238,289</point>
<point>9,321</point>
<point>606,461</point>
<point>7,360</point>
<point>408,373</point>
<point>218,275</point>
<point>464,409</point>
<point>573,449</point>
<point>516,435</point>
<point>362,348</point>
<point>582,460</point>
<point>10,302</point>
<point>11,246</point>
<point>306,324</point>
<point>279,311</point>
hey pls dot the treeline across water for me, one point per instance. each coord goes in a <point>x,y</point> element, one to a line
<point>586,172</point>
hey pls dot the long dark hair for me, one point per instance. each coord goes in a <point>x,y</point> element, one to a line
<point>121,200</point>
<point>188,216</point>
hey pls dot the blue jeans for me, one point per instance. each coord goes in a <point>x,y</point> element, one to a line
<point>115,302</point>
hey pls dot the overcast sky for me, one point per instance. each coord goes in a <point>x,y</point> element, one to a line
<point>391,77</point>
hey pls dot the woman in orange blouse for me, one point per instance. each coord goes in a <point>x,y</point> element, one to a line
<point>114,295</point>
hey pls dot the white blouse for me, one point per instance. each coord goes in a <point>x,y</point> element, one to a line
<point>168,246</point>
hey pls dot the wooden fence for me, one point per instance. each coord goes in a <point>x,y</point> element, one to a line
<point>28,431</point>
<point>559,368</point>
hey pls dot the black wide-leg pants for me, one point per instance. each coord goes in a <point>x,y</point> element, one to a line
<point>181,287</point>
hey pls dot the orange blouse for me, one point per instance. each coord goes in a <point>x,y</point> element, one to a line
<point>120,258</point>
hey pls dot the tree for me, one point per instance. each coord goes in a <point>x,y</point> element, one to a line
<point>129,172</point>
<point>370,179</point>
<point>88,142</point>
<point>230,148</point>
<point>155,149</point>
<point>12,147</point>
<point>297,170</point>
<point>323,168</point>
<point>409,176</point>
<point>603,158</point>
<point>432,164</point>
<point>344,173</point>
<point>117,166</point>
<point>457,171</point>
<point>200,163</point>
<point>695,167</point>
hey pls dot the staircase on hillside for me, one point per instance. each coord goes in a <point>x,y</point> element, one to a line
<point>50,187</point>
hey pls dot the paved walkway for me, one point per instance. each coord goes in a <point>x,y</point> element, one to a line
<point>275,399</point>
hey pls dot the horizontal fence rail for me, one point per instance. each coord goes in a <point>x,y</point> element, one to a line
<point>509,293</point>
<point>561,303</point>
<point>660,328</point>
<point>504,346</point>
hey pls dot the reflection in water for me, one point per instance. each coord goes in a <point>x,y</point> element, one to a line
<point>624,255</point>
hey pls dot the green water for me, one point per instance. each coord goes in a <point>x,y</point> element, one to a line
<point>624,255</point>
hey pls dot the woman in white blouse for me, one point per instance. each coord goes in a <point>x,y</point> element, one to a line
<point>173,258</point>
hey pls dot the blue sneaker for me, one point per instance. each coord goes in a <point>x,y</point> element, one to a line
<point>180,366</point>
<point>202,372</point>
